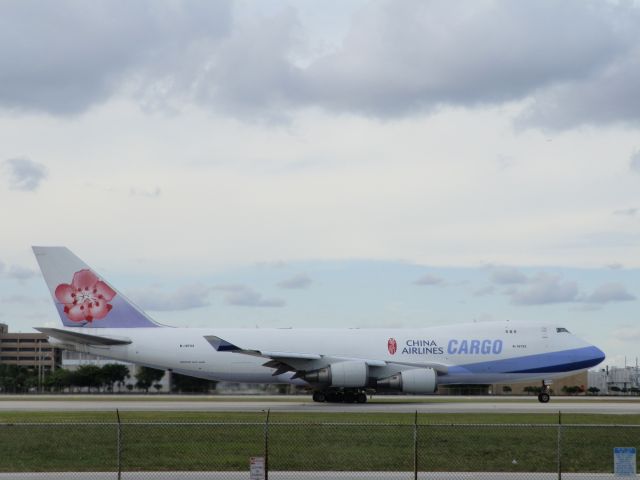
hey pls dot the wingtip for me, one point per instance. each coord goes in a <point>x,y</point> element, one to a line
<point>221,345</point>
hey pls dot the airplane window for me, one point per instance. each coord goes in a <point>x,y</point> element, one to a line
<point>562,330</point>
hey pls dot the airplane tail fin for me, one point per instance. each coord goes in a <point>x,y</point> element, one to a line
<point>82,297</point>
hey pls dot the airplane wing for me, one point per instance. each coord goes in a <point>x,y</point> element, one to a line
<point>281,361</point>
<point>84,338</point>
<point>297,361</point>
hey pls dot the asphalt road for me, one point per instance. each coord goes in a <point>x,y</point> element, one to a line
<point>432,404</point>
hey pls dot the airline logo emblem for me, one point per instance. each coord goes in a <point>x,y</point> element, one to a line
<point>392,346</point>
<point>86,298</point>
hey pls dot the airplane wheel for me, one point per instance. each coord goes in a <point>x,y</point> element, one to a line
<point>319,397</point>
<point>361,398</point>
<point>349,397</point>
<point>544,398</point>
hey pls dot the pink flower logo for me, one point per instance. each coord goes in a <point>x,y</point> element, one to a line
<point>392,346</point>
<point>87,298</point>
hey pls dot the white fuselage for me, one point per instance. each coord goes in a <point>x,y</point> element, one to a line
<point>479,353</point>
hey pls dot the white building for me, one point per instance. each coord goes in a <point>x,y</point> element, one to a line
<point>616,380</point>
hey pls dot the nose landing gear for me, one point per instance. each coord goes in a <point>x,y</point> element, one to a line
<point>340,396</point>
<point>545,394</point>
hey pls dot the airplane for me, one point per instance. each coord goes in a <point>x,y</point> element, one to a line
<point>340,365</point>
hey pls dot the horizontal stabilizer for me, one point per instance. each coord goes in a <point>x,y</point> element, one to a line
<point>83,338</point>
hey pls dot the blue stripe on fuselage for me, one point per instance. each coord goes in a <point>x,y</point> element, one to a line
<point>562,361</point>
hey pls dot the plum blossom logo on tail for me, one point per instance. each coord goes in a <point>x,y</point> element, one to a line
<point>87,297</point>
<point>392,345</point>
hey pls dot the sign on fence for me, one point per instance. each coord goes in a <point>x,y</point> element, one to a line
<point>624,461</point>
<point>256,468</point>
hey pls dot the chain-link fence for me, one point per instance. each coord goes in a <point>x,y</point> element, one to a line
<point>208,450</point>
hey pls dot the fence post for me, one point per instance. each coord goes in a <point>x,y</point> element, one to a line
<point>119,444</point>
<point>415,446</point>
<point>559,447</point>
<point>266,446</point>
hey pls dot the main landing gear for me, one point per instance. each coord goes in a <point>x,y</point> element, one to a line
<point>340,396</point>
<point>544,395</point>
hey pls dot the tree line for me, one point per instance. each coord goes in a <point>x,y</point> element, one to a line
<point>92,378</point>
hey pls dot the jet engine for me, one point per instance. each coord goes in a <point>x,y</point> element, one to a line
<point>342,374</point>
<point>417,380</point>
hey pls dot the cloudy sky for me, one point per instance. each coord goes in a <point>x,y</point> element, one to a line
<point>337,163</point>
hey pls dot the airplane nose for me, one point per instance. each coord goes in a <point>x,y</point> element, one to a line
<point>601,354</point>
<point>596,356</point>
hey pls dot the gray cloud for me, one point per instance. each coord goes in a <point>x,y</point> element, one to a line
<point>25,174</point>
<point>545,288</point>
<point>631,212</point>
<point>243,296</point>
<point>576,59</point>
<point>275,264</point>
<point>627,334</point>
<point>606,96</point>
<point>296,282</point>
<point>507,276</point>
<point>24,299</point>
<point>486,290</point>
<point>615,266</point>
<point>429,280</point>
<point>586,307</point>
<point>16,272</point>
<point>398,58</point>
<point>610,292</point>
<point>265,80</point>
<point>141,192</point>
<point>634,162</point>
<point>64,57</point>
<point>184,298</point>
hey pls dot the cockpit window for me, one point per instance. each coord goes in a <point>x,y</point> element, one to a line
<point>562,330</point>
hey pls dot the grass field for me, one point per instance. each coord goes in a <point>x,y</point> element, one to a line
<point>88,441</point>
<point>318,417</point>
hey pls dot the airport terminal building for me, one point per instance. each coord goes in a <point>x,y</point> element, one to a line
<point>30,350</point>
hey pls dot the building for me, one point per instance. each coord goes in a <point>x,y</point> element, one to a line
<point>30,350</point>
<point>579,379</point>
<point>616,380</point>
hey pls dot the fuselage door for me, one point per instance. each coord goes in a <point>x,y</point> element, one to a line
<point>544,333</point>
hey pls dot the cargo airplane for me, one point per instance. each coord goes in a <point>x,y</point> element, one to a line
<point>340,365</point>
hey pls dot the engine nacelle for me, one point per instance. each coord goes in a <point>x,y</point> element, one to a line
<point>342,374</point>
<point>417,380</point>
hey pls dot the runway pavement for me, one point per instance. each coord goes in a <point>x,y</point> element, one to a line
<point>433,404</point>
